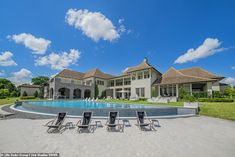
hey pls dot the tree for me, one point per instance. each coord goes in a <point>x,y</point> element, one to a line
<point>40,80</point>
<point>96,91</point>
<point>229,91</point>
<point>103,94</point>
<point>6,84</point>
<point>25,93</point>
<point>35,94</point>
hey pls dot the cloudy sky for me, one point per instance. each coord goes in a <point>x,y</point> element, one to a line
<point>42,37</point>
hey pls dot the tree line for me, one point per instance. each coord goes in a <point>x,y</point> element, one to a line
<point>9,89</point>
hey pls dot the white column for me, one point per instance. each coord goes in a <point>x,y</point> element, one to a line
<point>172,90</point>
<point>114,93</point>
<point>177,90</point>
<point>167,90</point>
<point>159,91</point>
<point>191,89</point>
<point>123,94</point>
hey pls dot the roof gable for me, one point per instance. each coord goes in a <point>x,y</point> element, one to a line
<point>187,75</point>
<point>141,66</point>
<point>198,72</point>
<point>70,74</point>
<point>97,73</point>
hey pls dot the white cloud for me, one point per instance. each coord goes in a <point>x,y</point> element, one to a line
<point>20,77</point>
<point>2,72</point>
<point>38,45</point>
<point>93,24</point>
<point>121,28</point>
<point>59,61</point>
<point>209,47</point>
<point>229,80</point>
<point>233,67</point>
<point>6,59</point>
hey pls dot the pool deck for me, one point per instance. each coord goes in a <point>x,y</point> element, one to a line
<point>181,137</point>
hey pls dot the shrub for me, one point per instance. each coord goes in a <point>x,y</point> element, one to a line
<point>96,91</point>
<point>27,97</point>
<point>25,93</point>
<point>4,93</point>
<point>200,95</point>
<point>217,94</point>
<point>189,98</point>
<point>103,94</point>
<point>142,99</point>
<point>215,100</point>
<point>14,94</point>
<point>35,94</point>
<point>182,93</point>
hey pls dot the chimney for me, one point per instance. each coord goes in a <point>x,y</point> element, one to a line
<point>145,60</point>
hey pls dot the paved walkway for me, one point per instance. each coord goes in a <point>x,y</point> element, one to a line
<point>22,115</point>
<point>181,137</point>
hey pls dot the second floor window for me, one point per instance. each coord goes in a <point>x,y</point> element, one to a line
<point>140,75</point>
<point>99,82</point>
<point>146,74</point>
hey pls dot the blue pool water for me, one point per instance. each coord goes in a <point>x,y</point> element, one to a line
<point>86,104</point>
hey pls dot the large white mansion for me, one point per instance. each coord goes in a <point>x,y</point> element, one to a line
<point>142,80</point>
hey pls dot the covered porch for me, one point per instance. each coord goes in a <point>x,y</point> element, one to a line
<point>119,93</point>
<point>173,90</point>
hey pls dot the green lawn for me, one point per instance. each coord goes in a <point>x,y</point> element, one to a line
<point>222,110</point>
<point>12,100</point>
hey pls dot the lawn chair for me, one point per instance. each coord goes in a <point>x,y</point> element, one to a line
<point>113,121</point>
<point>85,122</point>
<point>56,124</point>
<point>143,121</point>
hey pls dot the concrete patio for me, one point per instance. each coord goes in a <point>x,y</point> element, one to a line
<point>182,137</point>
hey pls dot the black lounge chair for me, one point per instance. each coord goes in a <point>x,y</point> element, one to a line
<point>113,121</point>
<point>56,124</point>
<point>85,122</point>
<point>143,121</point>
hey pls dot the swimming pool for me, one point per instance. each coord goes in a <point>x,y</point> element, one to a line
<point>86,104</point>
<point>100,109</point>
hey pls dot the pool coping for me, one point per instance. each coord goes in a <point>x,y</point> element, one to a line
<point>102,117</point>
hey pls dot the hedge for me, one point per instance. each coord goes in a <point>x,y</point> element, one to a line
<point>27,97</point>
<point>215,100</point>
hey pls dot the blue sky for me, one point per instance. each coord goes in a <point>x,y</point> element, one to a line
<point>43,37</point>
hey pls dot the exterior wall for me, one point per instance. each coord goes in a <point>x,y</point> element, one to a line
<point>70,84</point>
<point>209,88</point>
<point>29,90</point>
<point>101,87</point>
<point>216,86</point>
<point>46,91</point>
<point>143,83</point>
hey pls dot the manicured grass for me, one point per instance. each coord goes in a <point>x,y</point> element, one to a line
<point>7,101</point>
<point>224,110</point>
<point>12,100</point>
<point>219,110</point>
